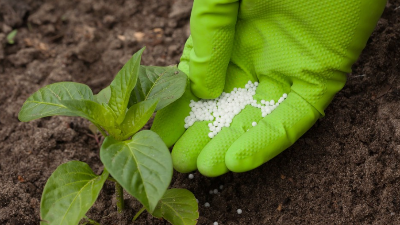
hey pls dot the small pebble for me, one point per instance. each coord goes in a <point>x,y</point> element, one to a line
<point>197,200</point>
<point>221,187</point>
<point>191,176</point>
<point>211,192</point>
<point>215,223</point>
<point>207,204</point>
<point>239,211</point>
<point>215,191</point>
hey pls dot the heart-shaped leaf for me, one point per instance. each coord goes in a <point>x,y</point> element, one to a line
<point>178,206</point>
<point>142,165</point>
<point>47,100</point>
<point>137,116</point>
<point>164,83</point>
<point>69,193</point>
<point>123,84</point>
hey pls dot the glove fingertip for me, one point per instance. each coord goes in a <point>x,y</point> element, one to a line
<point>181,165</point>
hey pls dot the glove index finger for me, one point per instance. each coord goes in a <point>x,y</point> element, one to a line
<point>212,25</point>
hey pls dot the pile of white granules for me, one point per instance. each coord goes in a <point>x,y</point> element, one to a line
<point>222,109</point>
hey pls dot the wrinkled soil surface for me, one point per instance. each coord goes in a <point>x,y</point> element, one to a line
<point>344,170</point>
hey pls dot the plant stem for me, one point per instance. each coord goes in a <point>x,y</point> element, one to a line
<point>138,214</point>
<point>101,130</point>
<point>119,194</point>
<point>90,221</point>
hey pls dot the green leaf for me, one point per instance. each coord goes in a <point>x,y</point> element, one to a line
<point>69,193</point>
<point>47,100</point>
<point>137,116</point>
<point>92,111</point>
<point>123,84</point>
<point>143,166</point>
<point>164,83</point>
<point>103,96</point>
<point>11,36</point>
<point>178,206</point>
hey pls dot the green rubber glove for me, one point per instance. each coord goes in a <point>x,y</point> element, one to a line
<point>304,48</point>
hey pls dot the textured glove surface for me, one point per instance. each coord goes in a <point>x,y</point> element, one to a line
<point>303,48</point>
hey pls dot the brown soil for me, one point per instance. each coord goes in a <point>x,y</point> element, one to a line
<point>345,170</point>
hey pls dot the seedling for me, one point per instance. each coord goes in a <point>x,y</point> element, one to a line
<point>11,36</point>
<point>138,162</point>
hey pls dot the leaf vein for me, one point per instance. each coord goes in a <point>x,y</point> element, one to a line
<point>154,159</point>
<point>92,180</point>
<point>148,93</point>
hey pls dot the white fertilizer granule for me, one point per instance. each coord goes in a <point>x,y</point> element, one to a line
<point>223,109</point>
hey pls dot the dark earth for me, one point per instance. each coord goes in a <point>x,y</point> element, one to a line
<point>344,170</point>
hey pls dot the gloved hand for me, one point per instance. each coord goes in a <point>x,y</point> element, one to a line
<point>303,48</point>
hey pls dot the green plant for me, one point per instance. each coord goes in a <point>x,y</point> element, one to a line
<point>138,162</point>
<point>11,36</point>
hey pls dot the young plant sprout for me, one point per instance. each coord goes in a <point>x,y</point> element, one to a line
<point>221,111</point>
<point>136,161</point>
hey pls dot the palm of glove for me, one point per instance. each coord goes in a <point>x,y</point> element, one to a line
<point>303,49</point>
